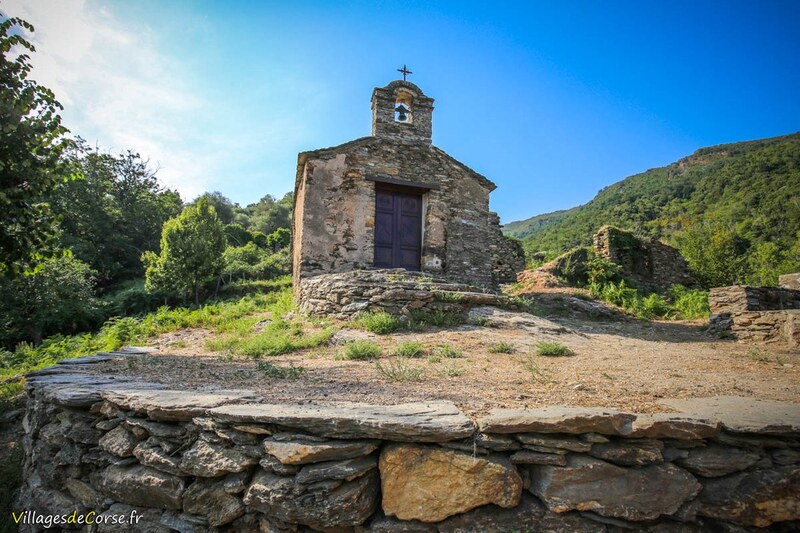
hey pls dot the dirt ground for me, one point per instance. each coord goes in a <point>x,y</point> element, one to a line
<point>619,363</point>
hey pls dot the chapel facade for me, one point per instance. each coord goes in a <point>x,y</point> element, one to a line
<point>393,200</point>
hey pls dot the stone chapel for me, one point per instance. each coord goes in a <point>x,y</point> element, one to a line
<point>393,200</point>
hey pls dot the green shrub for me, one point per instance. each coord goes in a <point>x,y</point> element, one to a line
<point>360,350</point>
<point>555,349</point>
<point>379,322</point>
<point>531,365</point>
<point>410,349</point>
<point>501,347</point>
<point>450,370</point>
<point>442,319</point>
<point>399,369</point>
<point>689,304</point>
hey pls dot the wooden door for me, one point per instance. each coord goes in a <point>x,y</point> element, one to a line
<point>398,229</point>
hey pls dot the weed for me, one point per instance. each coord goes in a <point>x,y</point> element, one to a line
<point>448,296</point>
<point>442,319</point>
<point>552,349</point>
<point>178,344</point>
<point>410,349</point>
<point>485,322</point>
<point>399,369</point>
<point>757,354</point>
<point>379,322</point>
<point>531,365</point>
<point>280,372</point>
<point>448,351</point>
<point>450,370</point>
<point>501,347</point>
<point>434,359</point>
<point>360,350</point>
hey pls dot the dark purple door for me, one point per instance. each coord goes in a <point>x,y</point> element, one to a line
<point>398,229</point>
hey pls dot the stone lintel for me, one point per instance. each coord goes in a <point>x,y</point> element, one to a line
<point>435,421</point>
<point>424,185</point>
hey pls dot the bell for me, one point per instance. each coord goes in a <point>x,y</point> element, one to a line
<point>402,113</point>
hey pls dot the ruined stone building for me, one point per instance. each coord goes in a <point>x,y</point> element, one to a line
<point>393,200</point>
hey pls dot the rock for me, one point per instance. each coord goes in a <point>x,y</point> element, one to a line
<point>252,429</point>
<point>271,464</point>
<point>638,452</point>
<point>434,421</point>
<point>744,415</point>
<point>171,405</point>
<point>587,484</point>
<point>348,470</point>
<point>211,460</point>
<point>528,457</point>
<point>106,425</point>
<point>82,492</point>
<point>157,429</point>
<point>557,419</point>
<point>501,318</point>
<point>349,504</point>
<point>674,426</point>
<point>757,498</point>
<point>298,453</point>
<point>209,498</point>
<point>570,444</point>
<point>119,441</point>
<point>153,456</point>
<point>715,461</point>
<point>381,523</point>
<point>430,484</point>
<point>785,457</point>
<point>236,482</point>
<point>140,485</point>
<point>499,443</point>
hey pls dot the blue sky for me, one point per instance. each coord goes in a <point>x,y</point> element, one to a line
<point>550,100</point>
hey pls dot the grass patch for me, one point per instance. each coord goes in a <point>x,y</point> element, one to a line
<point>399,369</point>
<point>450,370</point>
<point>553,349</point>
<point>441,319</point>
<point>280,372</point>
<point>360,350</point>
<point>501,347</point>
<point>379,322</point>
<point>679,302</point>
<point>409,349</point>
<point>448,352</point>
<point>433,359</point>
<point>448,296</point>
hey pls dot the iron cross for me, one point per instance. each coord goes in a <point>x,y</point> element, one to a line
<point>405,72</point>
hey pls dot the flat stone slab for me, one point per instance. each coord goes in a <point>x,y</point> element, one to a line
<point>743,415</point>
<point>172,405</point>
<point>437,421</point>
<point>557,419</point>
<point>74,389</point>
<point>503,318</point>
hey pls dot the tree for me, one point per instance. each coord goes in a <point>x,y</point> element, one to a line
<point>715,253</point>
<point>31,142</point>
<point>268,214</point>
<point>56,297</point>
<point>224,207</point>
<point>191,252</point>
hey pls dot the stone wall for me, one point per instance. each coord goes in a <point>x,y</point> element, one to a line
<point>790,281</point>
<point>650,263</point>
<point>396,291</point>
<point>221,461</point>
<point>756,313</point>
<point>509,257</point>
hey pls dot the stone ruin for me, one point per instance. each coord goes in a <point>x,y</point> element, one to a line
<point>207,461</point>
<point>393,200</point>
<point>649,263</point>
<point>761,314</point>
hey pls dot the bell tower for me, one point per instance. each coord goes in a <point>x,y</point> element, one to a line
<point>401,111</point>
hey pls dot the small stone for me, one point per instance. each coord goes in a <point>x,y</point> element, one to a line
<point>545,449</point>
<point>785,457</point>
<point>236,482</point>
<point>298,453</point>
<point>528,457</point>
<point>157,429</point>
<point>253,429</point>
<point>674,426</point>
<point>153,456</point>
<point>571,444</point>
<point>429,484</point>
<point>715,461</point>
<point>209,498</point>
<point>348,469</point>
<point>499,443</point>
<point>211,460</point>
<point>106,425</point>
<point>271,464</point>
<point>639,452</point>
<point>119,442</point>
<point>82,492</point>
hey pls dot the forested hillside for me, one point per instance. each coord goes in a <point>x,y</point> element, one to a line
<point>733,210</point>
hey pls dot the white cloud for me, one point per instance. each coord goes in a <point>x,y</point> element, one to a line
<point>121,90</point>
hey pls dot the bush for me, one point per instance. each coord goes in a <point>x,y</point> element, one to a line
<point>448,352</point>
<point>360,350</point>
<point>280,372</point>
<point>410,349</point>
<point>689,304</point>
<point>553,349</point>
<point>379,322</point>
<point>441,319</point>
<point>501,347</point>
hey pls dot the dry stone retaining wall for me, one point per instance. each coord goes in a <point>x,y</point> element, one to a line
<point>756,313</point>
<point>220,461</point>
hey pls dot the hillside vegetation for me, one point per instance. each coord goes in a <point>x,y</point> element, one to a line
<point>733,210</point>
